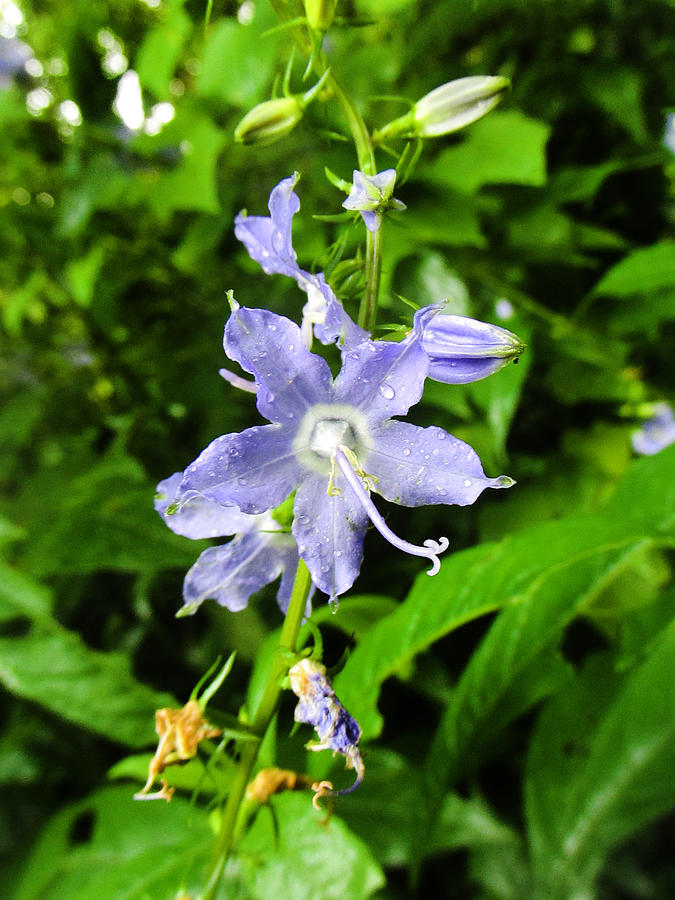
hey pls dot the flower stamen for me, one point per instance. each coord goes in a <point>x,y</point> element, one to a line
<point>431,549</point>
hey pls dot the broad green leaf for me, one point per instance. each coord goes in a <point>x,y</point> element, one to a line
<point>94,690</point>
<point>596,549</point>
<point>647,269</point>
<point>81,274</point>
<point>503,148</point>
<point>53,667</point>
<point>21,596</point>
<point>100,517</point>
<point>191,185</point>
<point>600,767</point>
<point>161,49</point>
<point>306,858</point>
<point>238,61</point>
<point>113,847</point>
<point>562,561</point>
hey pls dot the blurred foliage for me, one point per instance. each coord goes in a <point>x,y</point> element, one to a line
<point>518,708</point>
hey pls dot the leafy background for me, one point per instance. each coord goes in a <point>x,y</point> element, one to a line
<point>518,709</point>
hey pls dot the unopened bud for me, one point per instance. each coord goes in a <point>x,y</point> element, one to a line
<point>449,107</point>
<point>269,121</point>
<point>320,13</point>
<point>462,350</point>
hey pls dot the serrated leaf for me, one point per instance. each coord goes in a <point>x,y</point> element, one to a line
<point>307,858</point>
<point>554,560</point>
<point>600,767</point>
<point>596,549</point>
<point>503,148</point>
<point>133,851</point>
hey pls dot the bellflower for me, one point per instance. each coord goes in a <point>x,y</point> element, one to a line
<point>268,240</point>
<point>462,350</point>
<point>318,706</point>
<point>333,441</point>
<point>232,572</point>
<point>371,195</point>
<point>657,432</point>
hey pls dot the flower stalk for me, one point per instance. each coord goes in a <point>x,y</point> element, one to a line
<point>229,825</point>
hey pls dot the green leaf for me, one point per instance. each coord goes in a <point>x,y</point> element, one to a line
<point>600,767</point>
<point>21,596</point>
<point>82,273</point>
<point>102,517</point>
<point>584,555</point>
<point>160,51</point>
<point>306,858</point>
<point>647,269</point>
<point>503,148</point>
<point>238,61</point>
<point>91,689</point>
<point>112,847</point>
<point>191,185</point>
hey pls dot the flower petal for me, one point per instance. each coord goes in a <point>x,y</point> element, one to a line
<point>383,378</point>
<point>229,574</point>
<point>419,466</point>
<point>255,470</point>
<point>329,529</point>
<point>268,239</point>
<point>198,517</point>
<point>270,347</point>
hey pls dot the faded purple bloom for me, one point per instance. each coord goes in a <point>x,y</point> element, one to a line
<point>268,240</point>
<point>462,350</point>
<point>318,706</point>
<point>14,55</point>
<point>371,195</point>
<point>657,432</point>
<point>334,441</point>
<point>229,574</point>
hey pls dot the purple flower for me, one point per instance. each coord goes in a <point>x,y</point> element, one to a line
<point>462,350</point>
<point>232,572</point>
<point>318,706</point>
<point>268,240</point>
<point>371,195</point>
<point>333,441</point>
<point>657,432</point>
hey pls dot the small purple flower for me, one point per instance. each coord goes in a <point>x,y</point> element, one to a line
<point>462,350</point>
<point>318,706</point>
<point>333,441</point>
<point>657,432</point>
<point>268,240</point>
<point>229,574</point>
<point>371,195</point>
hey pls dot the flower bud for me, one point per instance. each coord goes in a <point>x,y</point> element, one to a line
<point>462,350</point>
<point>269,121</point>
<point>449,107</point>
<point>320,13</point>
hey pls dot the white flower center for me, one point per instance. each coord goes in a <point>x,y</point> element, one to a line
<point>325,428</point>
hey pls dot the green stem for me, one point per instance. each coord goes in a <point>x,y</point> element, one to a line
<point>368,308</point>
<point>261,720</point>
<point>366,159</point>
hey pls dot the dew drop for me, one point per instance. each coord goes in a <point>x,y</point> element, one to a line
<point>242,481</point>
<point>387,391</point>
<point>338,554</point>
<point>325,568</point>
<point>467,482</point>
<point>303,520</point>
<point>234,451</point>
<point>271,326</point>
<point>333,605</point>
<point>406,452</point>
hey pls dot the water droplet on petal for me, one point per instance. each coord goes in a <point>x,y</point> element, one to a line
<point>234,451</point>
<point>467,482</point>
<point>242,481</point>
<point>406,452</point>
<point>387,391</point>
<point>325,568</point>
<point>338,554</point>
<point>333,605</point>
<point>271,326</point>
